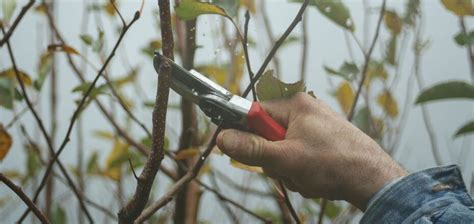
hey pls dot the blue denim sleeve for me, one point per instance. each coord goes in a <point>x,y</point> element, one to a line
<point>436,195</point>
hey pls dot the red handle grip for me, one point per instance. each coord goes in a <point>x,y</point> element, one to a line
<point>259,121</point>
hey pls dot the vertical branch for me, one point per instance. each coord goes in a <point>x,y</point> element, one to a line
<point>468,46</point>
<point>135,206</point>
<point>304,46</point>
<point>288,202</point>
<point>270,36</point>
<point>246,52</point>
<point>24,198</point>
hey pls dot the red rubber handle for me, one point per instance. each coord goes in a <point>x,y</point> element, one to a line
<point>259,121</point>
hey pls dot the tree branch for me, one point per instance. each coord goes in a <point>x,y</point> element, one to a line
<point>24,198</point>
<point>246,52</point>
<point>134,207</point>
<point>6,36</point>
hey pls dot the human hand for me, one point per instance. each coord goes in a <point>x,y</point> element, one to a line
<point>323,155</point>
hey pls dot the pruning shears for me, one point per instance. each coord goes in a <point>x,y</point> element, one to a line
<point>219,104</point>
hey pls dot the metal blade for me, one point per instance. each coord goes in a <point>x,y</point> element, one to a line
<point>190,84</point>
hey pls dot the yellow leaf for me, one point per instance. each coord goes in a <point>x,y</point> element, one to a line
<point>109,8</point>
<point>62,47</point>
<point>375,70</point>
<point>115,159</point>
<point>249,5</point>
<point>190,9</point>
<point>187,153</point>
<point>5,142</point>
<point>242,166</point>
<point>392,21</point>
<point>345,96</point>
<point>113,173</point>
<point>388,103</point>
<point>10,73</point>
<point>460,7</point>
<point>107,135</point>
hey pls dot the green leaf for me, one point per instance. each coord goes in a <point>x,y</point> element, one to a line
<point>335,10</point>
<point>44,68</point>
<point>231,7</point>
<point>93,164</point>
<point>391,53</point>
<point>94,92</point>
<point>6,93</point>
<point>59,215</point>
<point>332,210</point>
<point>361,120</point>
<point>463,39</point>
<point>190,9</point>
<point>465,129</point>
<point>447,90</point>
<point>347,71</point>
<point>87,39</point>
<point>8,7</point>
<point>32,163</point>
<point>269,87</point>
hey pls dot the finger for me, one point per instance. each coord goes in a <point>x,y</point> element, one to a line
<point>247,148</point>
<point>278,110</point>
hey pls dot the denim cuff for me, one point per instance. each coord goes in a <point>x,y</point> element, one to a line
<point>421,194</point>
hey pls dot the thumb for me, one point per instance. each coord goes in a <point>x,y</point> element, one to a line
<point>246,147</point>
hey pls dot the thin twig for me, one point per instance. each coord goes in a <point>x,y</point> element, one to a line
<point>124,24</point>
<point>270,36</point>
<point>304,46</point>
<point>45,135</point>
<point>23,11</point>
<point>137,203</point>
<point>277,45</point>
<point>246,52</point>
<point>288,202</point>
<point>18,191</point>
<point>323,207</point>
<point>133,169</point>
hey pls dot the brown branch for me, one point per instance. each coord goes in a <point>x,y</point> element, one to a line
<point>304,46</point>
<point>367,62</point>
<point>270,36</point>
<point>135,206</point>
<point>288,203</point>
<point>45,135</point>
<point>6,36</point>
<point>277,45</point>
<point>322,207</point>
<point>18,191</point>
<point>246,52</point>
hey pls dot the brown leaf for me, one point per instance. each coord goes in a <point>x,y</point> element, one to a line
<point>62,47</point>
<point>10,73</point>
<point>187,153</point>
<point>5,142</point>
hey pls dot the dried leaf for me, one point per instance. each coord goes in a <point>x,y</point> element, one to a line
<point>62,47</point>
<point>10,73</point>
<point>190,9</point>
<point>460,7</point>
<point>393,22</point>
<point>109,8</point>
<point>345,96</point>
<point>187,153</point>
<point>388,104</point>
<point>269,87</point>
<point>254,169</point>
<point>5,142</point>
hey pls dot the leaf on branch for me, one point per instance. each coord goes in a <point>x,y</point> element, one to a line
<point>459,7</point>
<point>10,73</point>
<point>187,153</point>
<point>231,7</point>
<point>102,134</point>
<point>269,87</point>
<point>33,163</point>
<point>87,39</point>
<point>447,90</point>
<point>62,47</point>
<point>345,96</point>
<point>254,169</point>
<point>361,120</point>
<point>190,9</point>
<point>347,71</point>
<point>109,8</point>
<point>334,10</point>
<point>115,159</point>
<point>393,22</point>
<point>152,46</point>
<point>93,164</point>
<point>7,93</point>
<point>8,7</point>
<point>102,89</point>
<point>376,70</point>
<point>44,68</point>
<point>463,39</point>
<point>5,142</point>
<point>465,129</point>
<point>388,104</point>
<point>391,53</point>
